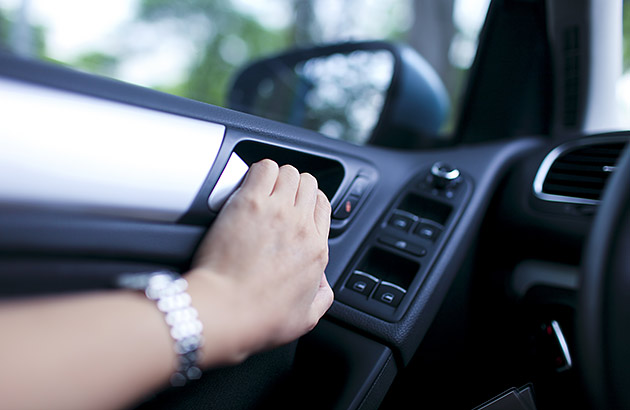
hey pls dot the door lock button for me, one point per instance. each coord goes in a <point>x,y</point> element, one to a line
<point>358,189</point>
<point>346,207</point>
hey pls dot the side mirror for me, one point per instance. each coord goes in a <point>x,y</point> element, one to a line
<point>363,92</point>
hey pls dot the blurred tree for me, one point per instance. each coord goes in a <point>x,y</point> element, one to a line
<point>226,38</point>
<point>431,34</point>
<point>304,30</point>
<point>19,36</point>
<point>98,63</point>
<point>4,31</point>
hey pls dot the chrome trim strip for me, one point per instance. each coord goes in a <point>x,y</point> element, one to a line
<point>563,346</point>
<point>406,214</point>
<point>367,275</point>
<point>230,179</point>
<point>546,164</point>
<point>395,286</point>
<point>64,150</point>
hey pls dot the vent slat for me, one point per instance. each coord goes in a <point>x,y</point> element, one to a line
<point>570,178</point>
<point>577,192</point>
<point>589,159</point>
<point>578,168</point>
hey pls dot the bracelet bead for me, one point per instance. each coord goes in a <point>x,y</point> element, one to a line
<point>168,290</point>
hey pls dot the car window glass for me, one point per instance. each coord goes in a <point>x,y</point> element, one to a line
<point>193,48</point>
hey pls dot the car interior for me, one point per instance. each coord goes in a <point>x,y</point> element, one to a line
<point>487,270</point>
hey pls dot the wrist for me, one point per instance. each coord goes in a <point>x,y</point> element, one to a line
<point>216,298</point>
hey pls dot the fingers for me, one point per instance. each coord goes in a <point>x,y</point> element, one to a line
<point>261,178</point>
<point>322,214</point>
<point>287,183</point>
<point>307,192</point>
<point>266,178</point>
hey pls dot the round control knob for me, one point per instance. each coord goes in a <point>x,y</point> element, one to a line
<point>443,175</point>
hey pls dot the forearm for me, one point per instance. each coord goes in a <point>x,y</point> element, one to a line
<point>98,350</point>
<point>108,350</point>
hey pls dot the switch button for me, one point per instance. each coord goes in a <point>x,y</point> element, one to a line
<point>346,207</point>
<point>403,245</point>
<point>428,231</point>
<point>401,222</point>
<point>361,282</point>
<point>389,294</point>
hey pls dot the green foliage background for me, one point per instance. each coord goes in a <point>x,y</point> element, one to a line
<point>209,74</point>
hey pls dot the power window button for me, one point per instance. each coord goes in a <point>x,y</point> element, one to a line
<point>401,222</point>
<point>361,282</point>
<point>427,231</point>
<point>389,294</point>
<point>403,245</point>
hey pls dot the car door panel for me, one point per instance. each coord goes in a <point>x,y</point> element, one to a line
<point>55,245</point>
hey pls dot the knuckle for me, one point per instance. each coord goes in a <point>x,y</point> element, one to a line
<point>302,233</point>
<point>266,164</point>
<point>249,203</point>
<point>290,172</point>
<point>288,168</point>
<point>321,256</point>
<point>278,217</point>
<point>323,201</point>
<point>306,177</point>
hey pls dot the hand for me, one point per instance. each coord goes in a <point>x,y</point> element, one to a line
<point>262,263</point>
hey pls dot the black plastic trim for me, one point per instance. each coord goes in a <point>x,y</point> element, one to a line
<point>418,188</point>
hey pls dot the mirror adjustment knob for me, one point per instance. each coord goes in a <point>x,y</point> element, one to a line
<point>443,175</point>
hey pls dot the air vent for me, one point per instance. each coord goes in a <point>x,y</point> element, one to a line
<point>576,172</point>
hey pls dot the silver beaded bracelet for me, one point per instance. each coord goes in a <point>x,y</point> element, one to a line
<point>168,290</point>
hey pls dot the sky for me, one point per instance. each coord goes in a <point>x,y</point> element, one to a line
<point>65,32</point>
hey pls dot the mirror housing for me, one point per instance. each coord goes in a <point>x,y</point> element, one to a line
<point>372,92</point>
